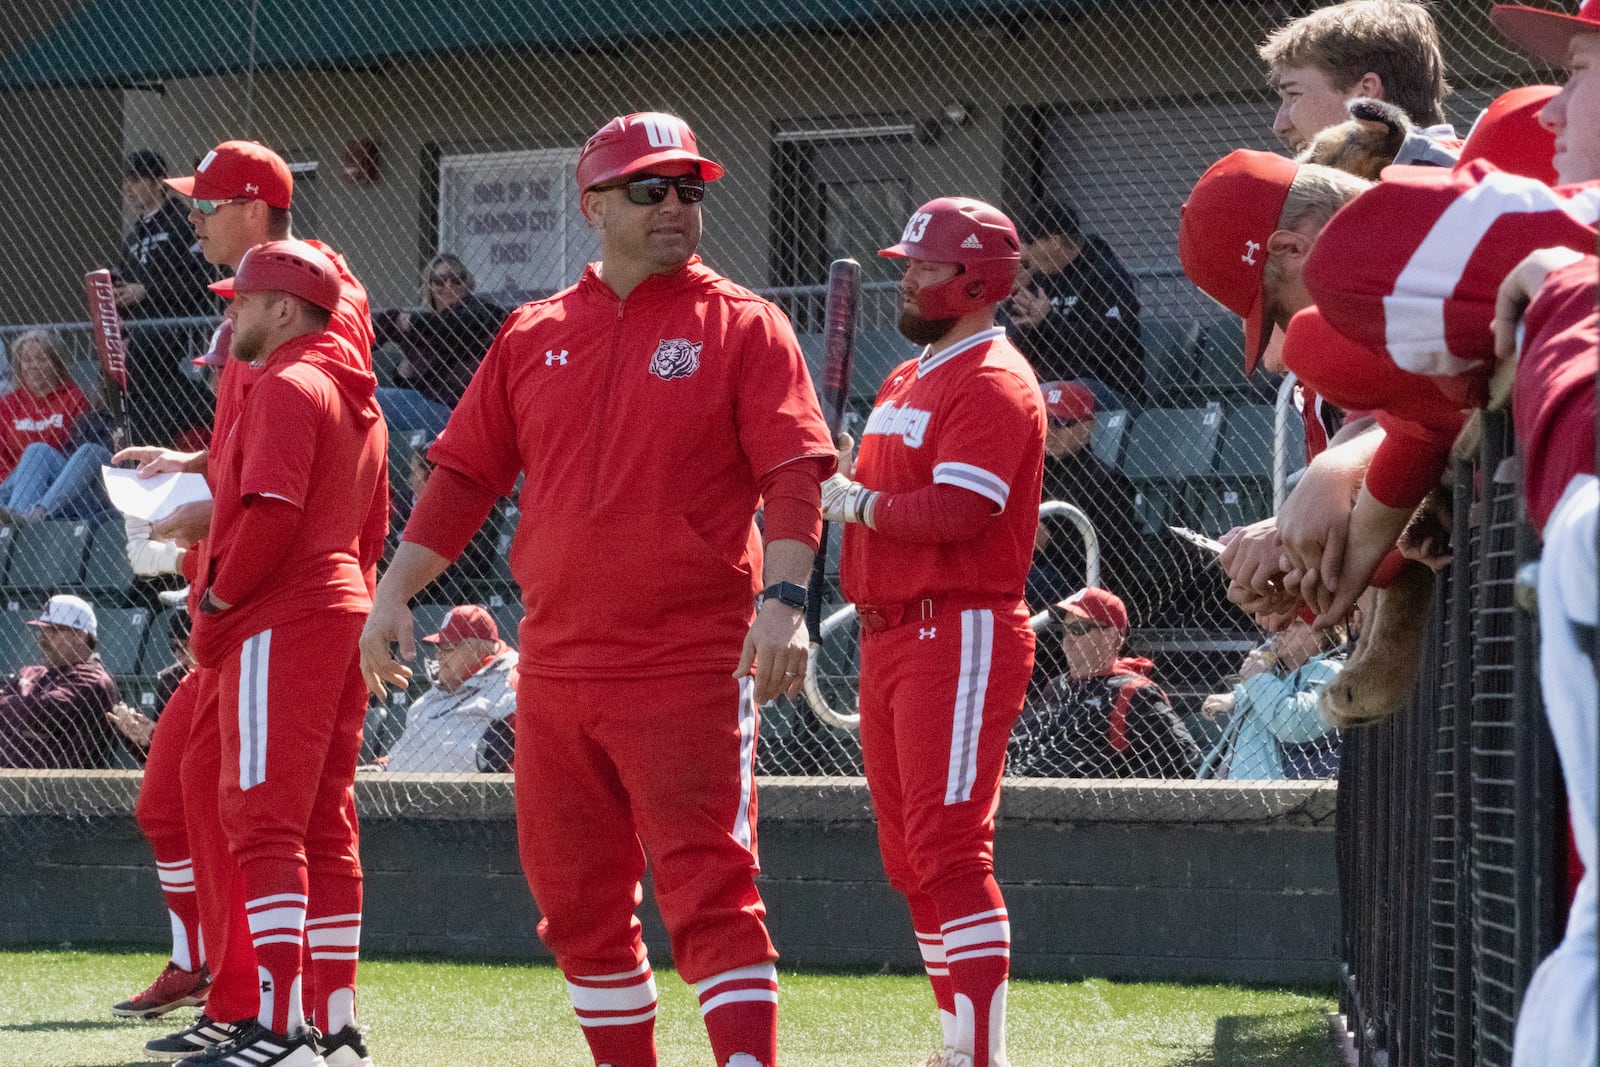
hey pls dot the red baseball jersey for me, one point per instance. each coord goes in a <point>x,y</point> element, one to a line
<point>1423,295</point>
<point>1553,402</point>
<point>643,426</point>
<point>969,415</point>
<point>309,432</point>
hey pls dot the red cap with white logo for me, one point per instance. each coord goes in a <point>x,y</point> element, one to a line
<point>237,169</point>
<point>1222,236</point>
<point>632,144</point>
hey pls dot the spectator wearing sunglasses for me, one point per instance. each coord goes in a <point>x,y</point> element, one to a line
<point>1103,717</point>
<point>440,347</point>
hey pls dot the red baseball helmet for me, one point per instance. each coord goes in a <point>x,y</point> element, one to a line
<point>292,267</point>
<point>1510,135</point>
<point>978,237</point>
<point>629,144</point>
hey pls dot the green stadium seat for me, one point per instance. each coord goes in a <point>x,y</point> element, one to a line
<point>1156,504</point>
<point>1224,506</point>
<point>8,538</point>
<point>121,638</point>
<point>877,353</point>
<point>1173,444</point>
<point>19,642</point>
<point>157,655</point>
<point>106,573</point>
<point>1221,366</point>
<point>1171,350</point>
<point>1110,431</point>
<point>48,556</point>
<point>1245,450</point>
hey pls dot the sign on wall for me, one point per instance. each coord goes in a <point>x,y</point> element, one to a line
<point>513,218</point>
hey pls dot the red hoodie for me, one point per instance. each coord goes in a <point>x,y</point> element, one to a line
<point>301,495</point>
<point>26,419</point>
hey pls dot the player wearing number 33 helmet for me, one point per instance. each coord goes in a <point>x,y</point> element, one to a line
<point>942,506</point>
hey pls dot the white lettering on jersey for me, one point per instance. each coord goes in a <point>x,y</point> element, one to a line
<point>49,422</point>
<point>661,132</point>
<point>907,423</point>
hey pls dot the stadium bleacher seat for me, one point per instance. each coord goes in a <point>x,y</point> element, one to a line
<point>1110,431</point>
<point>1224,506</point>
<point>1221,366</point>
<point>19,642</point>
<point>157,655</point>
<point>507,612</point>
<point>121,639</point>
<point>1173,444</point>
<point>1245,449</point>
<point>47,556</point>
<point>106,574</point>
<point>1169,448</point>
<point>1171,351</point>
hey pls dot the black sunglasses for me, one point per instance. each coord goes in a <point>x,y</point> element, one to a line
<point>439,281</point>
<point>647,191</point>
<point>1062,424</point>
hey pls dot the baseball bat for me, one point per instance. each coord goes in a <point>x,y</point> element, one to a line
<point>839,347</point>
<point>105,323</point>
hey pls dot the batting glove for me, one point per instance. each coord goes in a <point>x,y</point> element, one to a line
<point>847,501</point>
<point>149,558</point>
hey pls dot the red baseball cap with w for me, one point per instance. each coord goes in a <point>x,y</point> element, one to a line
<point>1222,236</point>
<point>239,169</point>
<point>1546,34</point>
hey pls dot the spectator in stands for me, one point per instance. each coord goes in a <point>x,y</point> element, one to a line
<point>1105,717</point>
<point>53,717</point>
<point>1274,729</point>
<point>46,399</point>
<point>1074,312</point>
<point>441,347</point>
<point>463,723</point>
<point>161,275</point>
<point>1382,49</point>
<point>134,724</point>
<point>472,568</point>
<point>1074,474</point>
<point>63,483</point>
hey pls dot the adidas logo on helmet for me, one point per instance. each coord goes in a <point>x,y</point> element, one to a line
<point>972,242</point>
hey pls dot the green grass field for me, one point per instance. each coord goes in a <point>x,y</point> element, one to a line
<point>54,1013</point>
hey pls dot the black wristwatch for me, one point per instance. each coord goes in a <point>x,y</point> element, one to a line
<point>786,592</point>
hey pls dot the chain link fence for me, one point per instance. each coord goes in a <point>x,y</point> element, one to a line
<point>434,144</point>
<point>1451,829</point>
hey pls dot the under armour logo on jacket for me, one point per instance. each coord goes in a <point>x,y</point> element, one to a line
<point>927,633</point>
<point>552,357</point>
<point>1250,250</point>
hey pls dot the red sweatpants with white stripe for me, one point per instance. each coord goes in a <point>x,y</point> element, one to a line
<point>938,700</point>
<point>292,704</point>
<point>608,770</point>
<point>159,812</point>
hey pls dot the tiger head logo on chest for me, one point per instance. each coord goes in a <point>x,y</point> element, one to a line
<point>903,421</point>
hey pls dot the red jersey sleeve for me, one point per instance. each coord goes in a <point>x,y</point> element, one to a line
<point>995,420</point>
<point>778,415</point>
<point>281,425</point>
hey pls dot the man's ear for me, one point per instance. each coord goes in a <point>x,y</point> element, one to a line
<point>1289,243</point>
<point>592,204</point>
<point>1369,84</point>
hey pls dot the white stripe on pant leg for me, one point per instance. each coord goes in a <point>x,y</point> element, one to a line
<point>977,653</point>
<point>748,729</point>
<point>253,663</point>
